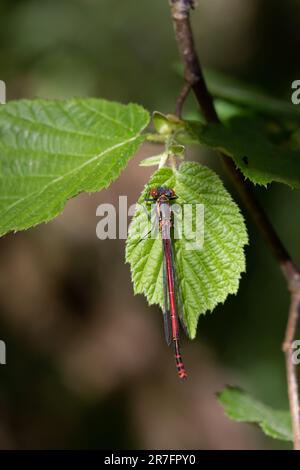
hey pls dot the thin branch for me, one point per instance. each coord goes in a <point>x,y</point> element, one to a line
<point>181,98</point>
<point>293,278</point>
<point>180,10</point>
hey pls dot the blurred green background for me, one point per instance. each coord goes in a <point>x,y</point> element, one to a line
<point>87,365</point>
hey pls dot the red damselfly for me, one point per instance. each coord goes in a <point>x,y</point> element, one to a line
<point>162,196</point>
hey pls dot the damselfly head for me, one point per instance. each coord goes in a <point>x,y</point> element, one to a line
<point>156,193</point>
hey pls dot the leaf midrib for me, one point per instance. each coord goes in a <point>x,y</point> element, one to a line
<point>74,170</point>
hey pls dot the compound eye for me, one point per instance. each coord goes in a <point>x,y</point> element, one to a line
<point>153,193</point>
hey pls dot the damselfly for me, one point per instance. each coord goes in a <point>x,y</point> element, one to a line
<point>162,196</point>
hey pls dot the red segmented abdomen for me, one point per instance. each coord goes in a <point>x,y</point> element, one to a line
<point>179,362</point>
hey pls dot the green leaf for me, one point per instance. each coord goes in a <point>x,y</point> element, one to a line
<point>206,276</point>
<point>177,149</point>
<point>239,406</point>
<point>166,124</point>
<point>248,142</point>
<point>240,93</point>
<point>161,123</point>
<point>52,150</point>
<point>155,160</point>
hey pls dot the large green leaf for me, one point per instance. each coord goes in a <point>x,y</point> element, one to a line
<point>239,406</point>
<point>52,150</point>
<point>247,141</point>
<point>208,275</point>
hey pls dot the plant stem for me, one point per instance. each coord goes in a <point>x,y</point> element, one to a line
<point>181,98</point>
<point>180,10</point>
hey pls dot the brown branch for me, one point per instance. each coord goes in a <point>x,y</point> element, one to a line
<point>180,10</point>
<point>293,279</point>
<point>181,98</point>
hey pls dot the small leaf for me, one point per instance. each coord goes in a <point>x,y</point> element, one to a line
<point>206,275</point>
<point>177,150</point>
<point>51,151</point>
<point>161,123</point>
<point>248,142</point>
<point>240,406</point>
<point>155,160</point>
<point>165,124</point>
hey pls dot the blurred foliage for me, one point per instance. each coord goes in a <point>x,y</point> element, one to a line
<point>241,407</point>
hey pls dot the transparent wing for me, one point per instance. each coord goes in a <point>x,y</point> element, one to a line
<point>166,311</point>
<point>152,226</point>
<point>178,293</point>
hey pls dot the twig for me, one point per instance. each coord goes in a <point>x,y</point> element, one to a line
<point>180,10</point>
<point>181,98</point>
<point>293,278</point>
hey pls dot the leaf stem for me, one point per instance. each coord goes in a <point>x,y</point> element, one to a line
<point>156,138</point>
<point>180,11</point>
